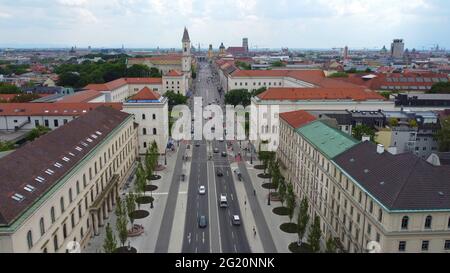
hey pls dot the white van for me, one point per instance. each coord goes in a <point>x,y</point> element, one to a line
<point>223,201</point>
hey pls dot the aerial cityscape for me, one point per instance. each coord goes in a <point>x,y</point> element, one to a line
<point>195,140</point>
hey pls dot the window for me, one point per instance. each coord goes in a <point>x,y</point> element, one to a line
<point>428,221</point>
<point>378,237</point>
<point>55,122</point>
<point>371,206</point>
<point>46,122</point>
<point>448,224</point>
<point>52,214</point>
<point>144,131</point>
<point>145,144</point>
<point>72,220</point>
<point>30,239</point>
<point>61,201</point>
<point>425,245</point>
<point>380,215</point>
<point>70,196</point>
<point>42,226</point>
<point>55,242</point>
<point>405,221</point>
<point>154,116</point>
<point>64,231</point>
<point>143,116</point>
<point>78,187</point>
<point>36,122</point>
<point>447,245</point>
<point>65,121</point>
<point>84,180</point>
<point>154,131</point>
<point>369,229</point>
<point>402,246</point>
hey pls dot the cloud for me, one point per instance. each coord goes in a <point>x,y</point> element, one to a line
<point>73,3</point>
<point>4,15</point>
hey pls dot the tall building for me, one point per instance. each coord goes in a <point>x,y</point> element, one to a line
<point>186,57</point>
<point>222,49</point>
<point>210,52</point>
<point>345,53</point>
<point>397,48</point>
<point>245,43</point>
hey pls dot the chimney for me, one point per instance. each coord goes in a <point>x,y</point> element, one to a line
<point>365,138</point>
<point>380,148</point>
<point>392,150</point>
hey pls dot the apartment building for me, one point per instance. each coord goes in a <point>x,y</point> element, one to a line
<point>65,196</point>
<point>362,193</point>
<point>151,112</point>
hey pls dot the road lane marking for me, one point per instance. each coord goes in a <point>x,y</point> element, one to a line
<point>203,239</point>
<point>235,249</point>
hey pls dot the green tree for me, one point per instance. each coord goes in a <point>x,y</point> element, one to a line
<point>412,123</point>
<point>243,65</point>
<point>290,201</point>
<point>110,243</point>
<point>363,130</point>
<point>131,205</point>
<point>6,146</point>
<point>258,91</point>
<point>138,70</point>
<point>37,132</point>
<point>393,122</point>
<point>140,181</point>
<point>302,219</point>
<point>6,88</point>
<point>282,192</point>
<point>440,88</point>
<point>314,235</point>
<point>238,97</point>
<point>155,73</point>
<point>71,79</point>
<point>266,157</point>
<point>121,226</point>
<point>331,246</point>
<point>443,135</point>
<point>174,99</point>
<point>21,98</point>
<point>338,75</point>
<point>278,64</point>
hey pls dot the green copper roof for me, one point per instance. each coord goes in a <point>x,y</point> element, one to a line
<point>331,142</point>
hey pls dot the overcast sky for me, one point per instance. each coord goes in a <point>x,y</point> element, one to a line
<point>267,23</point>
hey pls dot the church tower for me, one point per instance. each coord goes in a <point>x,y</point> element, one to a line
<point>186,58</point>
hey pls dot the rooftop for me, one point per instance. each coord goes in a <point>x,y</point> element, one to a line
<point>297,119</point>
<point>34,169</point>
<point>109,86</point>
<point>81,96</point>
<point>51,109</point>
<point>328,140</point>
<point>145,95</point>
<point>399,182</point>
<point>355,93</point>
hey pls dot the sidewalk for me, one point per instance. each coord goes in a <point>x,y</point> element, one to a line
<point>146,242</point>
<point>280,238</point>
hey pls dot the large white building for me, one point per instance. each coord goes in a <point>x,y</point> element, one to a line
<point>66,195</point>
<point>151,112</point>
<point>362,193</point>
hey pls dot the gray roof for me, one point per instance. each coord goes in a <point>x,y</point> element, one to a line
<point>185,36</point>
<point>30,163</point>
<point>399,182</point>
<point>429,96</point>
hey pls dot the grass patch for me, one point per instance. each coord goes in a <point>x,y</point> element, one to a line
<point>283,211</point>
<point>289,227</point>
<point>139,214</point>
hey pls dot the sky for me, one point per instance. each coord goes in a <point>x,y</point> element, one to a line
<point>266,23</point>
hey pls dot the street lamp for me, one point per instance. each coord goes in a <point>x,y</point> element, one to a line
<point>268,197</point>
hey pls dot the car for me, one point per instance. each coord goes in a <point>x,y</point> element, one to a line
<point>219,173</point>
<point>223,201</point>
<point>236,220</point>
<point>197,144</point>
<point>216,150</point>
<point>202,189</point>
<point>202,222</point>
<point>224,154</point>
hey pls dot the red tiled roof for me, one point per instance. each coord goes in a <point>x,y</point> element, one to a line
<point>146,94</point>
<point>316,77</point>
<point>9,97</point>
<point>51,109</point>
<point>121,82</point>
<point>174,73</point>
<point>81,96</point>
<point>171,57</point>
<point>355,93</point>
<point>296,119</point>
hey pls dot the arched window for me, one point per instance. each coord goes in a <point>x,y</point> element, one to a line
<point>380,215</point>
<point>143,116</point>
<point>405,221</point>
<point>61,202</point>
<point>42,226</point>
<point>52,214</point>
<point>55,242</point>
<point>30,239</point>
<point>428,221</point>
<point>154,116</point>
<point>144,131</point>
<point>70,196</point>
<point>154,131</point>
<point>84,180</point>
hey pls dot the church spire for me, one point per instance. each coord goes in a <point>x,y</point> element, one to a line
<point>185,36</point>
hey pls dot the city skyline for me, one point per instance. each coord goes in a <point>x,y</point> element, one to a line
<point>318,24</point>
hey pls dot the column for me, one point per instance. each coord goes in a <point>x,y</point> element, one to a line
<point>105,209</point>
<point>100,217</point>
<point>94,224</point>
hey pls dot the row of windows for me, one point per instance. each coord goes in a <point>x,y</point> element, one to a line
<point>153,116</point>
<point>144,131</point>
<point>103,180</point>
<point>259,84</point>
<point>425,245</point>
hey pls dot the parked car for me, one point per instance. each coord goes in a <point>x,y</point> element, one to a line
<point>202,189</point>
<point>216,150</point>
<point>224,154</point>
<point>219,173</point>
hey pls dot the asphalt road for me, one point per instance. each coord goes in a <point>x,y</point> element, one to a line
<point>220,235</point>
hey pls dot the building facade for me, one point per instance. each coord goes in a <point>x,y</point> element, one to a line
<point>65,196</point>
